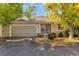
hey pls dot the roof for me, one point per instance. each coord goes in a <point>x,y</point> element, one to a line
<point>36,19</point>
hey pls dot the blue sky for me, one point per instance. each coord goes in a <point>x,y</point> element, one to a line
<point>39,8</point>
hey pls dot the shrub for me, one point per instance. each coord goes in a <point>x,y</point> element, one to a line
<point>76,31</point>
<point>39,35</point>
<point>60,34</point>
<point>75,35</point>
<point>51,35</point>
<point>66,33</point>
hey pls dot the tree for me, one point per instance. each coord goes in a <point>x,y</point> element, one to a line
<point>9,12</point>
<point>30,11</point>
<point>67,14</point>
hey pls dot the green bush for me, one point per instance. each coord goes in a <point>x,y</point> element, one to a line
<point>60,34</point>
<point>66,33</point>
<point>51,36</point>
<point>76,31</point>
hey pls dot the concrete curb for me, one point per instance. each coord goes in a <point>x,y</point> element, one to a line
<point>18,40</point>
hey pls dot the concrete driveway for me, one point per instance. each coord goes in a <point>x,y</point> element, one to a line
<point>29,48</point>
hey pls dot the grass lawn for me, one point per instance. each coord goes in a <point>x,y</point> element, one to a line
<point>65,41</point>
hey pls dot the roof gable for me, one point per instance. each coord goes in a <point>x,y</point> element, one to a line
<point>36,19</point>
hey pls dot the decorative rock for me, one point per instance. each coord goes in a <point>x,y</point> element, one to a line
<point>42,48</point>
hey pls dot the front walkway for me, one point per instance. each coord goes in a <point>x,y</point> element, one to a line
<point>29,48</point>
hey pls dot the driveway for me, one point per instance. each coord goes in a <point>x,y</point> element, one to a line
<point>30,48</point>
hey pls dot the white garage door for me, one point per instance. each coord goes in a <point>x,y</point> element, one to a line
<point>23,31</point>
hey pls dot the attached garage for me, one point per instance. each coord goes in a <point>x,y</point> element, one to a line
<point>23,30</point>
<point>22,27</point>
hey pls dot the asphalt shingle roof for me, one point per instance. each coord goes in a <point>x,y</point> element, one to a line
<point>36,19</point>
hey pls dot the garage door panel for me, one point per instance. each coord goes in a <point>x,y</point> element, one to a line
<point>23,31</point>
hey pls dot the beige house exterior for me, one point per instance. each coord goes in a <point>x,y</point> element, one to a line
<point>23,27</point>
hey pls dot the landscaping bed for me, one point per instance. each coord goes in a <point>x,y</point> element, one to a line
<point>64,41</point>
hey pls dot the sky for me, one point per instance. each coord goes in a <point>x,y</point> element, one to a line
<point>39,8</point>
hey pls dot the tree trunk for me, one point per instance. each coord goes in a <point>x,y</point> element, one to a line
<point>70,32</point>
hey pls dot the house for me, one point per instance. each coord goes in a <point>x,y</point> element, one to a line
<point>23,27</point>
